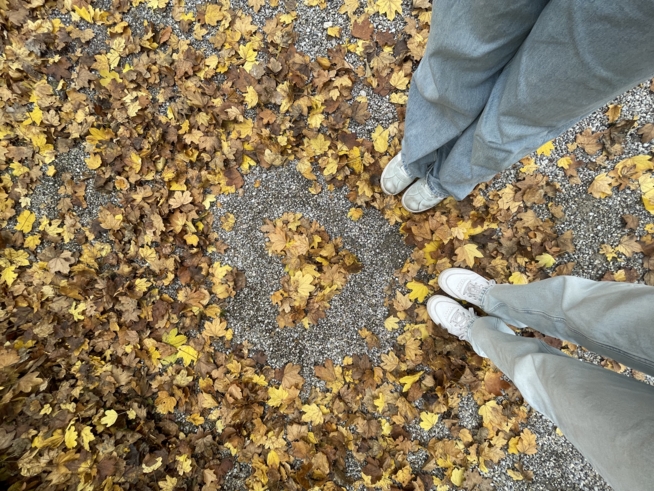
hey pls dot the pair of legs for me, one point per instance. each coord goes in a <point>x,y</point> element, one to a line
<point>500,78</point>
<point>607,416</point>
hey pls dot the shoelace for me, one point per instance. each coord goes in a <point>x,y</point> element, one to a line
<point>461,319</point>
<point>476,290</point>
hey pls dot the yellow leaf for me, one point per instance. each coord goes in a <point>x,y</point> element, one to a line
<point>71,436</point>
<point>334,31</point>
<point>457,476</point>
<point>302,284</point>
<point>389,7</point>
<point>428,420</point>
<point>546,149</point>
<point>213,14</point>
<point>109,418</point>
<point>613,113</point>
<point>601,187</point>
<point>272,459</point>
<point>399,98</point>
<point>227,222</point>
<point>94,161</point>
<point>399,81</point>
<point>529,166</point>
<point>165,403</point>
<point>545,260</point>
<point>174,339</point>
<point>380,139</point>
<point>312,414</point>
<point>169,484</point>
<point>380,402</point>
<point>25,221</point>
<point>640,163</point>
<point>32,242</point>
<point>518,278</point>
<point>87,437</point>
<point>276,396</point>
<point>527,443</point>
<point>151,468</point>
<point>515,475</point>
<point>391,323</point>
<point>467,253</point>
<point>513,445</point>
<point>251,97</point>
<point>564,162</point>
<point>188,354</point>
<point>354,214</point>
<point>418,291</point>
<point>85,14</point>
<point>9,275</point>
<point>647,190</point>
<point>76,310</point>
<point>409,380</point>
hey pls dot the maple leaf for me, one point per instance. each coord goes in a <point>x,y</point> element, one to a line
<point>428,420</point>
<point>391,323</point>
<point>276,396</point>
<point>467,254</point>
<point>292,377</point>
<point>546,149</point>
<point>9,275</point>
<point>180,199</point>
<point>312,414</point>
<point>380,139</point>
<point>389,7</point>
<point>165,403</point>
<point>87,437</point>
<point>109,418</point>
<point>409,380</point>
<point>601,187</point>
<point>518,278</point>
<point>174,339</point>
<point>545,260</point>
<point>629,245</point>
<point>70,437</point>
<point>417,291</point>
<point>355,214</point>
<point>613,112</point>
<point>457,476</point>
<point>25,221</point>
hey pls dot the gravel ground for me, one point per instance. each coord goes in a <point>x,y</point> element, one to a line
<point>557,465</point>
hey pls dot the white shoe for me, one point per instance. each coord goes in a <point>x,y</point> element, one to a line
<point>464,284</point>
<point>451,315</point>
<point>419,198</point>
<point>468,286</point>
<point>394,178</point>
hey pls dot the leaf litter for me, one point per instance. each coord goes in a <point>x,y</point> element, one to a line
<point>118,367</point>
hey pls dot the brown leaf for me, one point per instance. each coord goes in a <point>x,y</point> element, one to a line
<point>363,28</point>
<point>646,133</point>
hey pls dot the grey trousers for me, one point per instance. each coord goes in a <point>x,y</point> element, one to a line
<point>501,77</point>
<point>607,416</point>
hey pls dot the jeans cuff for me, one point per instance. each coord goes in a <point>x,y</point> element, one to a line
<point>435,186</point>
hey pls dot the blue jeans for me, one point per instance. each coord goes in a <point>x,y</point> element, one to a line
<point>607,416</point>
<point>500,78</point>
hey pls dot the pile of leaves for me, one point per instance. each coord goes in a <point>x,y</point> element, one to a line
<point>317,268</point>
<point>117,367</point>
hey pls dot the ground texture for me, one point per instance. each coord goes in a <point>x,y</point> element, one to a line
<point>203,287</point>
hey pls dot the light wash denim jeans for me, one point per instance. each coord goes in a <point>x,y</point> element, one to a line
<point>607,416</point>
<point>501,77</point>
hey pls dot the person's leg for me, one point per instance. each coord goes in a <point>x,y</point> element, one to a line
<point>607,416</point>
<point>469,43</point>
<point>579,55</point>
<point>612,319</point>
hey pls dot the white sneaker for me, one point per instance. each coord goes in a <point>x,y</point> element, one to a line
<point>451,315</point>
<point>468,286</point>
<point>464,285</point>
<point>394,178</point>
<point>419,198</point>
